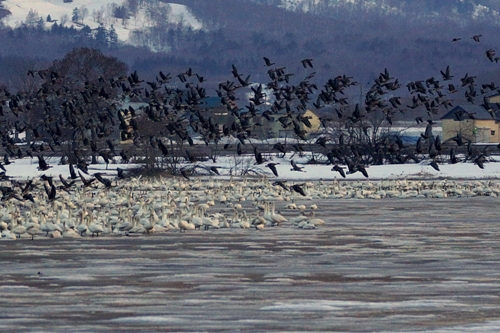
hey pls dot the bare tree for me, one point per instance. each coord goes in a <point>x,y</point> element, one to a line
<point>32,18</point>
<point>84,12</point>
<point>27,79</point>
<point>98,15</point>
<point>63,19</point>
<point>89,65</point>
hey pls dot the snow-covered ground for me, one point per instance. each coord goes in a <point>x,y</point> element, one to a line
<point>98,12</point>
<point>236,166</point>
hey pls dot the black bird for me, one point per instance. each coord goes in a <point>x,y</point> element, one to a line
<point>124,156</point>
<point>279,146</point>
<point>295,167</point>
<point>418,147</point>
<point>428,131</point>
<point>65,184</point>
<point>235,71</point>
<point>307,62</point>
<point>490,54</point>
<point>282,184</point>
<point>458,139</point>
<point>453,158</point>
<point>339,170</point>
<point>361,168</point>
<point>297,188</point>
<point>258,156</point>
<point>42,164</point>
<point>215,170</point>
<point>27,187</point>
<point>51,194</point>
<point>106,156</point>
<point>29,196</point>
<point>446,74</point>
<point>185,174</point>
<point>272,166</point>
<point>434,165</point>
<point>49,179</point>
<point>476,38</point>
<point>121,173</point>
<point>82,165</point>
<point>268,62</point>
<point>72,173</point>
<point>480,161</point>
<point>86,183</point>
<point>163,148</point>
<point>106,182</point>
<point>111,147</point>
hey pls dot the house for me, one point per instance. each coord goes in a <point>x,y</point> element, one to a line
<point>276,128</point>
<point>473,122</point>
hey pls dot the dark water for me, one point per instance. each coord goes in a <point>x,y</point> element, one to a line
<point>376,266</point>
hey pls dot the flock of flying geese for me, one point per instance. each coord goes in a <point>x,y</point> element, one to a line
<point>88,115</point>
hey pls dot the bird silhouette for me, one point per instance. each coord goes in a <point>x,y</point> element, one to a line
<point>272,166</point>
<point>268,62</point>
<point>295,167</point>
<point>298,188</point>
<point>339,170</point>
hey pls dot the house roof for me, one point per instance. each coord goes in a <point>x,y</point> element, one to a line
<point>464,112</point>
<point>210,102</point>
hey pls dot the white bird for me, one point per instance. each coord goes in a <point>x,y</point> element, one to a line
<point>183,224</point>
<point>19,230</point>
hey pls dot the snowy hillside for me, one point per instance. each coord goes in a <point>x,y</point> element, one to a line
<point>450,9</point>
<point>126,16</point>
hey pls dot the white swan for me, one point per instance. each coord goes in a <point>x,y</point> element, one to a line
<point>19,230</point>
<point>150,226</point>
<point>33,231</point>
<point>81,227</point>
<point>277,218</point>
<point>94,228</point>
<point>183,224</point>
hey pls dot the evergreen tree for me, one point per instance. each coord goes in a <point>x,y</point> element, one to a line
<point>86,31</point>
<point>101,35</point>
<point>40,24</point>
<point>55,27</point>
<point>112,37</point>
<point>49,19</point>
<point>76,15</point>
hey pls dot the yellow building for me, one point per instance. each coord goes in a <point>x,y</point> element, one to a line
<point>313,120</point>
<point>472,122</point>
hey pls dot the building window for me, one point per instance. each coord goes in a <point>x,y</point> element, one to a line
<point>492,132</point>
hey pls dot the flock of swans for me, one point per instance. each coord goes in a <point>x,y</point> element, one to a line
<point>141,207</point>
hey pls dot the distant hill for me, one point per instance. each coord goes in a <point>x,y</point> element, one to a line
<point>413,39</point>
<point>427,10</point>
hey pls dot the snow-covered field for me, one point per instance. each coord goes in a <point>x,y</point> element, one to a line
<point>231,166</point>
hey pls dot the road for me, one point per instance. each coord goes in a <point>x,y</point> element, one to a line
<point>377,266</point>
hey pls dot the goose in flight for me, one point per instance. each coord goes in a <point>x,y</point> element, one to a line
<point>339,170</point>
<point>295,167</point>
<point>476,38</point>
<point>307,62</point>
<point>272,166</point>
<point>268,62</point>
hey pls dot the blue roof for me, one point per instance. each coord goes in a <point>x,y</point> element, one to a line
<point>210,102</point>
<point>460,112</point>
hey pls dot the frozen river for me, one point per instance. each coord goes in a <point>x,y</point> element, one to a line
<point>428,265</point>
